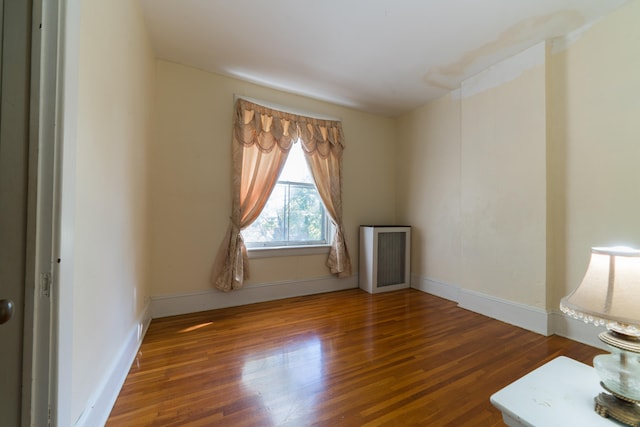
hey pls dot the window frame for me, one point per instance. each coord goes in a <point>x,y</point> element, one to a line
<point>281,251</point>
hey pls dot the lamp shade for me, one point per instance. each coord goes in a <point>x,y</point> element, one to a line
<point>609,292</point>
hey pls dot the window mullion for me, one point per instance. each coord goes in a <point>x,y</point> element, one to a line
<point>287,198</point>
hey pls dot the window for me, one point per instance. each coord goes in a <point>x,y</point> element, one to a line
<point>259,132</point>
<point>294,214</point>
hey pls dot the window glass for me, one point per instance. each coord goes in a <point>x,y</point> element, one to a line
<point>294,214</point>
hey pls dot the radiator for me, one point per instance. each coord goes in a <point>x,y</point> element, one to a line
<point>385,254</point>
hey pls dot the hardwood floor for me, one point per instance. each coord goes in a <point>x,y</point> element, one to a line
<point>339,359</point>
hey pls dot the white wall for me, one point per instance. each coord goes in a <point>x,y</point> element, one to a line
<point>115,100</point>
<point>190,190</point>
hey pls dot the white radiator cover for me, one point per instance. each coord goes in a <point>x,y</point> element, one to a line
<point>385,258</point>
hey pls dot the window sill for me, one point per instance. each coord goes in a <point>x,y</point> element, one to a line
<point>281,251</point>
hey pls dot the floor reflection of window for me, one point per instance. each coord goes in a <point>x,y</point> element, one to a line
<point>287,379</point>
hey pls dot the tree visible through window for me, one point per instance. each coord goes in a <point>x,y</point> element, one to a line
<point>294,214</point>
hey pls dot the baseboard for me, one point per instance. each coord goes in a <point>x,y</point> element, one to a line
<point>99,406</point>
<point>531,318</point>
<point>174,304</point>
<point>527,317</point>
<point>568,327</point>
<point>434,287</point>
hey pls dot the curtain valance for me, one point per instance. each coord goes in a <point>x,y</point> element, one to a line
<point>268,128</point>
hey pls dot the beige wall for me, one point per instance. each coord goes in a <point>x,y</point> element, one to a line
<point>503,185</point>
<point>115,100</point>
<point>190,178</point>
<point>594,145</point>
<point>530,172</point>
<point>429,187</point>
<point>473,183</point>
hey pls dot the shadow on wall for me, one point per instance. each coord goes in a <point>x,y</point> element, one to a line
<point>556,116</point>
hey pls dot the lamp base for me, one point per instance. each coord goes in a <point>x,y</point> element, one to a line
<point>610,406</point>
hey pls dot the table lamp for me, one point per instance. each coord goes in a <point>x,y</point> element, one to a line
<point>609,295</point>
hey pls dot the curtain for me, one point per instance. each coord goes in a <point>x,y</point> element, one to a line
<point>261,140</point>
<point>322,145</point>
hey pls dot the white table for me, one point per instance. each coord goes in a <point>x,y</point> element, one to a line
<point>559,393</point>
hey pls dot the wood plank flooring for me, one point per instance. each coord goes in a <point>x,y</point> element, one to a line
<point>346,358</point>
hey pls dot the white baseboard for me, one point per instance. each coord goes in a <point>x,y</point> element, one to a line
<point>174,304</point>
<point>531,318</point>
<point>527,317</point>
<point>576,330</point>
<point>99,406</point>
<point>433,287</point>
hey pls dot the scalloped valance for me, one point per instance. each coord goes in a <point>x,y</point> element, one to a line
<point>267,128</point>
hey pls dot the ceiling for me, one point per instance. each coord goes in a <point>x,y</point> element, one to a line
<point>382,56</point>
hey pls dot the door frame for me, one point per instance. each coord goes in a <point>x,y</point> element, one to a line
<point>63,51</point>
<point>36,372</point>
<point>48,331</point>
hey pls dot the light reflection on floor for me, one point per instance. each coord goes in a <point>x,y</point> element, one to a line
<point>287,379</point>
<point>195,327</point>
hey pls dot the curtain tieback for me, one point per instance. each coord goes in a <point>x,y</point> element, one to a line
<point>234,224</point>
